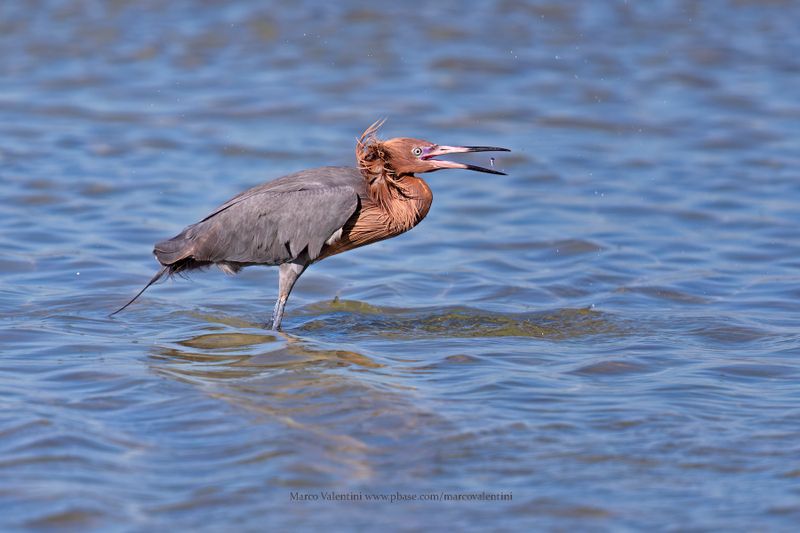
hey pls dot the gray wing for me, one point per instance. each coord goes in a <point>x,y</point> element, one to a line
<point>272,223</point>
<point>313,179</point>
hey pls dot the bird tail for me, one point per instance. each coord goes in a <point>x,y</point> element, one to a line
<point>155,278</point>
<point>174,250</point>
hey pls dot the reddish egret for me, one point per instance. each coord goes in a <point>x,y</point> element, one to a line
<point>302,218</point>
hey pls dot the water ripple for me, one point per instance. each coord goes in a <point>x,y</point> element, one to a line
<point>609,332</point>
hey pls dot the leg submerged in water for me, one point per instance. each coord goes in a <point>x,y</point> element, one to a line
<point>289,273</point>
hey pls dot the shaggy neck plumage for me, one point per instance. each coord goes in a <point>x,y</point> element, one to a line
<point>398,196</point>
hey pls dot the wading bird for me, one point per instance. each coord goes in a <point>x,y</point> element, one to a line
<point>300,219</point>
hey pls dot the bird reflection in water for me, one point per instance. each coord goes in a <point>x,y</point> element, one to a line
<point>325,421</point>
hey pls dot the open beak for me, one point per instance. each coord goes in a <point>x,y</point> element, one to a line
<point>436,151</point>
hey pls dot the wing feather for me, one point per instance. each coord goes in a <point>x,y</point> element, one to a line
<point>272,223</point>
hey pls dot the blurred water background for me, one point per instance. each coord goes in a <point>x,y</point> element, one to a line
<point>609,333</point>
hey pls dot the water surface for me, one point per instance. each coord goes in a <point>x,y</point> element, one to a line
<point>609,333</point>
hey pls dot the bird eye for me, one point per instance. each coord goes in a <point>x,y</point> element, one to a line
<point>417,151</point>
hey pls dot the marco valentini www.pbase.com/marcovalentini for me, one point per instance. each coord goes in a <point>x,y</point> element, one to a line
<point>397,497</point>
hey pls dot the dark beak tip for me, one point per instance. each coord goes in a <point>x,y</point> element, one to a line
<point>486,149</point>
<point>485,170</point>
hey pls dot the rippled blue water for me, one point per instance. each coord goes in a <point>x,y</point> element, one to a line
<point>609,333</point>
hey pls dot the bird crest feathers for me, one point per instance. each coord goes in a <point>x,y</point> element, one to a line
<point>370,154</point>
<point>385,187</point>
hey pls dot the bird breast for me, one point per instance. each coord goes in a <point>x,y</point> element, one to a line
<point>382,217</point>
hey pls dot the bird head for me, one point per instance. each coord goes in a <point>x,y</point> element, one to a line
<point>404,155</point>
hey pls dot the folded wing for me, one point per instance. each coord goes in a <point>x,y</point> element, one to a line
<point>270,224</point>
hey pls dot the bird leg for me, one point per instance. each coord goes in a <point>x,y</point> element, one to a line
<point>288,275</point>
